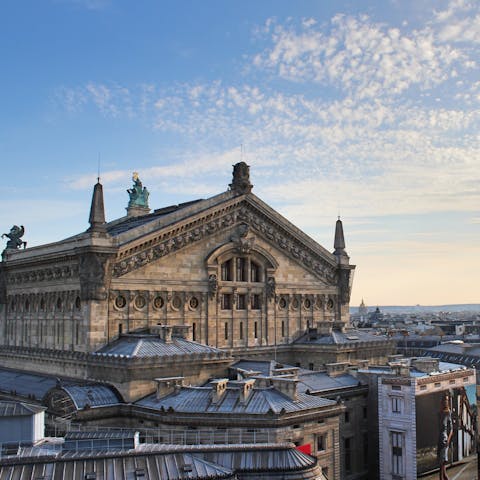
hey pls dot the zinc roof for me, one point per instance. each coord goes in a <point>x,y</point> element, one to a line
<point>320,381</point>
<point>92,395</point>
<point>153,345</point>
<point>260,401</point>
<point>338,338</point>
<point>17,409</point>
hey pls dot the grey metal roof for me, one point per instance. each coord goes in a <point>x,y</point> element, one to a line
<point>338,338</point>
<point>17,409</point>
<point>108,466</point>
<point>320,381</point>
<point>92,395</point>
<point>25,384</point>
<point>261,401</point>
<point>119,226</point>
<point>263,366</point>
<point>152,345</point>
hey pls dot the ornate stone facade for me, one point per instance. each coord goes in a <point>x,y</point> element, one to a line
<point>229,267</point>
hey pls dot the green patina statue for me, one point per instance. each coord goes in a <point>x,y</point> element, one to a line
<point>138,193</point>
<point>14,242</point>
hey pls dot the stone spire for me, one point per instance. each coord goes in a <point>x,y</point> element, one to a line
<point>97,210</point>
<point>339,243</point>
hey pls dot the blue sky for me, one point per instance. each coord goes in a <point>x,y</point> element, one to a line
<point>367,109</point>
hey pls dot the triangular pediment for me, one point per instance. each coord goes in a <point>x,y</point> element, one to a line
<point>150,242</point>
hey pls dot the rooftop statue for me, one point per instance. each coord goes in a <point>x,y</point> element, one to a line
<point>138,193</point>
<point>16,232</point>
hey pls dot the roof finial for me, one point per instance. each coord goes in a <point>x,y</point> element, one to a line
<point>339,242</point>
<point>97,210</point>
<point>241,179</point>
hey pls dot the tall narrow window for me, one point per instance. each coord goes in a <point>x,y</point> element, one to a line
<point>283,328</point>
<point>255,329</point>
<point>120,329</point>
<point>397,453</point>
<point>347,444</point>
<point>397,404</point>
<point>226,331</point>
<point>194,331</point>
<point>241,302</point>
<point>254,272</point>
<point>227,270</point>
<point>241,330</point>
<point>241,270</point>
<point>227,301</point>
<point>255,301</point>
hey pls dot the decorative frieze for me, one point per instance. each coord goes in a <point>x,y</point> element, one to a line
<point>250,218</point>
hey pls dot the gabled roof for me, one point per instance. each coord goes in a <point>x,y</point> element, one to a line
<point>261,401</point>
<point>18,409</point>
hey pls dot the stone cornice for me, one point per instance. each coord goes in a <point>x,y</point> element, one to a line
<point>45,274</point>
<point>210,222</point>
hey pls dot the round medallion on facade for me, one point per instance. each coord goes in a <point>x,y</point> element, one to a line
<point>140,302</point>
<point>307,303</point>
<point>158,302</point>
<point>295,303</point>
<point>176,302</point>
<point>330,304</point>
<point>318,303</point>
<point>282,303</point>
<point>193,303</point>
<point>120,301</point>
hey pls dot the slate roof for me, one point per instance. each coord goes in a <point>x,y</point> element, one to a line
<point>320,381</point>
<point>127,223</point>
<point>123,465</point>
<point>18,409</point>
<point>341,338</point>
<point>92,395</point>
<point>36,386</point>
<point>260,402</point>
<point>168,462</point>
<point>152,345</point>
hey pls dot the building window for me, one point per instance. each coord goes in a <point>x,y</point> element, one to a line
<point>321,443</point>
<point>255,329</point>
<point>241,302</point>
<point>241,330</point>
<point>120,329</point>
<point>59,303</point>
<point>241,271</point>
<point>347,446</point>
<point>283,328</point>
<point>397,404</point>
<point>226,273</point>
<point>397,452</point>
<point>311,366</point>
<point>254,272</point>
<point>255,301</point>
<point>347,417</point>
<point>227,301</point>
<point>226,331</point>
<point>396,387</point>
<point>194,331</point>
<point>78,303</point>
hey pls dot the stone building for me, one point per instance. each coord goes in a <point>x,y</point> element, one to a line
<point>230,270</point>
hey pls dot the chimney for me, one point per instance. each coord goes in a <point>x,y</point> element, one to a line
<point>337,369</point>
<point>168,385</point>
<point>400,369</point>
<point>246,388</point>
<point>426,364</point>
<point>163,331</point>
<point>219,386</point>
<point>291,372</point>
<point>286,386</point>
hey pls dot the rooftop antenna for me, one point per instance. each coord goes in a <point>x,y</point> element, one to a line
<point>98,168</point>
<point>241,152</point>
